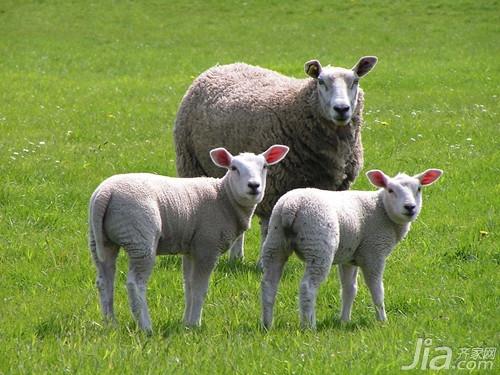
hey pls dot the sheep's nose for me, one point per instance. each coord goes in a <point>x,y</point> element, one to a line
<point>409,207</point>
<point>341,108</point>
<point>253,185</point>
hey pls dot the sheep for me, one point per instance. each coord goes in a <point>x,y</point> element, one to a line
<point>350,228</point>
<point>249,107</point>
<point>151,215</point>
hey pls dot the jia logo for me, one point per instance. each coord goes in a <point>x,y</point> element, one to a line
<point>428,357</point>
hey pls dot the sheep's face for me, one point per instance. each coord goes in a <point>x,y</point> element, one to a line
<point>402,195</point>
<point>247,172</point>
<point>338,88</point>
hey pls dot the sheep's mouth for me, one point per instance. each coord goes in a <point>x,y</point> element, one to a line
<point>341,120</point>
<point>254,192</point>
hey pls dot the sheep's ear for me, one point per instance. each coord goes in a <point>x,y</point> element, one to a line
<point>377,178</point>
<point>312,68</point>
<point>275,154</point>
<point>364,65</point>
<point>429,176</point>
<point>221,157</point>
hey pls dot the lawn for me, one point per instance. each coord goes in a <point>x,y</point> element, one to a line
<point>91,89</point>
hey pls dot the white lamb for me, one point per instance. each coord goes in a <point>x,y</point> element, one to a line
<point>349,228</point>
<point>151,215</point>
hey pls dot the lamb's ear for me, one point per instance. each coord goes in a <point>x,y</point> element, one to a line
<point>275,154</point>
<point>221,157</point>
<point>429,176</point>
<point>312,68</point>
<point>364,65</point>
<point>377,178</point>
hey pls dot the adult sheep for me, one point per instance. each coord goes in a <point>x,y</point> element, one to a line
<point>248,108</point>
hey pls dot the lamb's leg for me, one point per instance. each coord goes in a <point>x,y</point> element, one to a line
<point>373,278</point>
<point>139,272</point>
<point>202,268</point>
<point>105,278</point>
<point>264,226</point>
<point>273,269</point>
<point>348,275</point>
<point>187,270</point>
<point>236,251</point>
<point>315,273</point>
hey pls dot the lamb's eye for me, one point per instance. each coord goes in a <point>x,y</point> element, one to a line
<point>355,82</point>
<point>233,168</point>
<point>390,191</point>
<point>321,81</point>
<point>264,167</point>
<point>419,189</point>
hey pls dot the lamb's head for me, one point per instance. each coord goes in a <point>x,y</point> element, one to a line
<point>338,87</point>
<point>247,172</point>
<point>402,195</point>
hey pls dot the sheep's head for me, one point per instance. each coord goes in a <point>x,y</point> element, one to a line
<point>402,194</point>
<point>247,172</point>
<point>338,87</point>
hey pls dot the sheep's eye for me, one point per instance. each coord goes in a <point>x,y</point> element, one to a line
<point>390,191</point>
<point>321,81</point>
<point>265,166</point>
<point>419,189</point>
<point>355,82</point>
<point>233,168</point>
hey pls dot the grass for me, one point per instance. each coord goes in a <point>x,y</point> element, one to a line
<point>91,89</point>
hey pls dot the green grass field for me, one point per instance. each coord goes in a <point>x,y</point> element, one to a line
<point>90,89</point>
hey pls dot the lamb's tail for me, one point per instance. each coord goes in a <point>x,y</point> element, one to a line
<point>97,209</point>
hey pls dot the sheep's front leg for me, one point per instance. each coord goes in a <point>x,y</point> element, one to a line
<point>348,275</point>
<point>139,272</point>
<point>373,277</point>
<point>202,268</point>
<point>236,251</point>
<point>187,270</point>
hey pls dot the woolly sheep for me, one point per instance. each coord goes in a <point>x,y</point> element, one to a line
<point>151,215</point>
<point>352,229</point>
<point>249,107</point>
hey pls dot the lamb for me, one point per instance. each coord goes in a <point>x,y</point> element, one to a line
<point>352,229</point>
<point>151,215</point>
<point>249,107</point>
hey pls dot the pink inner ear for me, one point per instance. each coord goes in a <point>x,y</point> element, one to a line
<point>429,177</point>
<point>221,157</point>
<point>275,154</point>
<point>377,178</point>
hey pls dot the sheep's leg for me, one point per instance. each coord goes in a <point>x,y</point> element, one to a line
<point>187,269</point>
<point>139,272</point>
<point>373,279</point>
<point>105,279</point>
<point>264,226</point>
<point>236,251</point>
<point>348,275</point>
<point>200,275</point>
<point>315,273</point>
<point>273,269</point>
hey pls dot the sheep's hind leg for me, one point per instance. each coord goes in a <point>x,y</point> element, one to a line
<point>315,273</point>
<point>264,227</point>
<point>273,270</point>
<point>236,251</point>
<point>105,278</point>
<point>140,270</point>
<point>348,278</point>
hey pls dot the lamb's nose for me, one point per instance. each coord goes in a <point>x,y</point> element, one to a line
<point>409,207</point>
<point>341,108</point>
<point>253,185</point>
